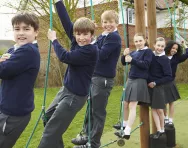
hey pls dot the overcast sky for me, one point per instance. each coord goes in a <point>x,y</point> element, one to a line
<point>6,14</point>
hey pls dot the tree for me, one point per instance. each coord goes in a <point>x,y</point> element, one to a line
<point>184,1</point>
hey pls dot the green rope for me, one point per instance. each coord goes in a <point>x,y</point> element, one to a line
<point>92,10</point>
<point>46,82</point>
<point>121,116</point>
<point>122,138</point>
<point>173,19</point>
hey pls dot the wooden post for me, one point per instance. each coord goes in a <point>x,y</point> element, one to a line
<point>144,110</point>
<point>152,34</point>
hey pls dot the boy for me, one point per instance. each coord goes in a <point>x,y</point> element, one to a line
<point>109,44</point>
<point>81,62</point>
<point>18,70</point>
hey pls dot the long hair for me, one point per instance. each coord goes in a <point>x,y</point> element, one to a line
<point>169,46</point>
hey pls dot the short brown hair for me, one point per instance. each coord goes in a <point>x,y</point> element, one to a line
<point>83,25</point>
<point>109,15</point>
<point>27,18</point>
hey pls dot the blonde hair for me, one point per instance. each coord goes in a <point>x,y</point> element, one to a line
<point>83,25</point>
<point>109,15</point>
<point>159,39</point>
<point>144,37</point>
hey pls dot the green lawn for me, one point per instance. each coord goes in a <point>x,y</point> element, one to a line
<point>75,127</point>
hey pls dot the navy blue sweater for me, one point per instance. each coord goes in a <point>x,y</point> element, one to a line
<point>175,61</point>
<point>81,60</point>
<point>18,76</point>
<point>109,51</point>
<point>140,63</point>
<point>109,47</point>
<point>160,70</point>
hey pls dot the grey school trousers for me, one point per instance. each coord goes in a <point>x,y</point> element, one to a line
<point>11,128</point>
<point>62,111</point>
<point>100,91</point>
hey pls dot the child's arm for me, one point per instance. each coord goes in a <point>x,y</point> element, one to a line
<point>183,57</point>
<point>145,63</point>
<point>17,63</point>
<point>111,43</point>
<point>125,53</point>
<point>75,57</point>
<point>64,18</point>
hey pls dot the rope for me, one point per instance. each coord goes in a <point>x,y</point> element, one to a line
<point>173,19</point>
<point>46,82</point>
<point>121,116</point>
<point>122,138</point>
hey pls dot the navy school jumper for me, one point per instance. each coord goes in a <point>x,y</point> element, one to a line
<point>175,61</point>
<point>160,70</point>
<point>18,74</point>
<point>81,60</point>
<point>140,63</point>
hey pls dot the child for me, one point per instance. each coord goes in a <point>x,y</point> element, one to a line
<point>81,62</point>
<point>159,74</point>
<point>136,89</point>
<point>109,44</point>
<point>19,68</point>
<point>174,52</point>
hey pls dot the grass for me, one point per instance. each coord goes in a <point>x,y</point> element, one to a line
<point>76,125</point>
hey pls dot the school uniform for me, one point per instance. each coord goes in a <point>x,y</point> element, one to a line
<point>18,74</point>
<point>72,96</point>
<point>160,72</point>
<point>136,85</point>
<point>171,91</point>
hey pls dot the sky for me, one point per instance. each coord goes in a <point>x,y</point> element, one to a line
<point>6,14</point>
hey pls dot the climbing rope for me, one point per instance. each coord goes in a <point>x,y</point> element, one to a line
<point>46,81</point>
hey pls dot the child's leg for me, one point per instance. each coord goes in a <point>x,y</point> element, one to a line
<point>156,119</point>
<point>166,120</point>
<point>132,117</point>
<point>11,129</point>
<point>171,111</point>
<point>61,118</point>
<point>126,113</point>
<point>161,118</point>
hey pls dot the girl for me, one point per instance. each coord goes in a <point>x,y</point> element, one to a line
<point>159,74</point>
<point>136,89</point>
<point>174,52</point>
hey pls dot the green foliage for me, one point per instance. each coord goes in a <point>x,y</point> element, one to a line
<point>2,51</point>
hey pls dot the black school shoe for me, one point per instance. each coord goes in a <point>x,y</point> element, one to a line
<point>80,140</point>
<point>157,135</point>
<point>82,146</point>
<point>118,126</point>
<point>120,135</point>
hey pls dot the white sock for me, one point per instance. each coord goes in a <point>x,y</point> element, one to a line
<point>127,130</point>
<point>166,117</point>
<point>170,120</point>
<point>124,123</point>
<point>162,131</point>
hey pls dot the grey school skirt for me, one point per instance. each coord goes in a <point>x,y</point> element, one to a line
<point>171,92</point>
<point>137,90</point>
<point>157,97</point>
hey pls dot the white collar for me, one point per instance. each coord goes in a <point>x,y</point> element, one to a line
<point>105,34</point>
<point>16,46</point>
<point>146,47</point>
<point>161,54</point>
<point>170,57</point>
